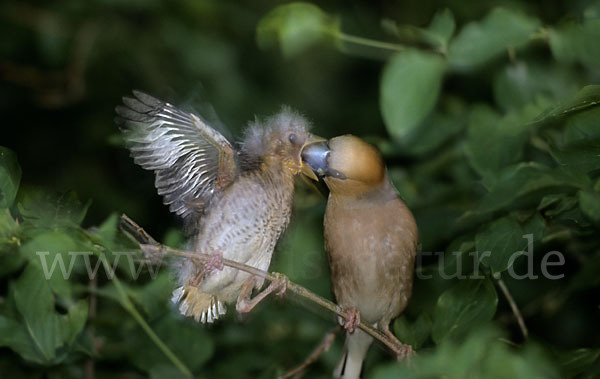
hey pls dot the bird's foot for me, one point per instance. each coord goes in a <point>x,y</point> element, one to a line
<point>281,282</point>
<point>352,320</point>
<point>245,304</point>
<point>215,262</point>
<point>401,350</point>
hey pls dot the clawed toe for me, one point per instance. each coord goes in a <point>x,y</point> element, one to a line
<point>282,283</point>
<point>401,350</point>
<point>215,262</point>
<point>352,320</point>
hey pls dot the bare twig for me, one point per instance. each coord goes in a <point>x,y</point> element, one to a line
<point>323,346</point>
<point>513,306</point>
<point>509,342</point>
<point>149,246</point>
<point>140,235</point>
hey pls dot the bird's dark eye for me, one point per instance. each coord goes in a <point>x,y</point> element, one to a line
<point>293,137</point>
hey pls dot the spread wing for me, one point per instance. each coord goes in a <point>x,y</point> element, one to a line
<point>191,160</point>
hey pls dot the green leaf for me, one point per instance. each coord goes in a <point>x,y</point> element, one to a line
<point>109,229</point>
<point>52,210</point>
<point>414,334</point>
<point>581,156</point>
<point>55,253</point>
<point>303,260</point>
<point>74,321</point>
<point>112,238</point>
<point>481,41</point>
<point>154,295</point>
<point>10,177</point>
<point>10,239</point>
<point>506,240</point>
<point>459,258</point>
<point>469,303</point>
<point>174,237</point>
<point>47,329</point>
<point>524,184</point>
<point>575,362</point>
<point>410,86</point>
<point>480,356</point>
<point>555,204</point>
<point>8,228</point>
<point>582,127</point>
<point>587,97</point>
<point>14,335</point>
<point>296,27</point>
<point>393,371</point>
<point>437,129</point>
<point>35,303</point>
<point>575,42</point>
<point>437,224</point>
<point>522,82</point>
<point>443,25</point>
<point>166,371</point>
<point>493,142</point>
<point>193,345</point>
<point>589,202</point>
<point>436,35</point>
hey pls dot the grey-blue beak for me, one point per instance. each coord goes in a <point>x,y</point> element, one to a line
<point>316,156</point>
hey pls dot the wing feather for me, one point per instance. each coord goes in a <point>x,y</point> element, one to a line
<point>191,160</point>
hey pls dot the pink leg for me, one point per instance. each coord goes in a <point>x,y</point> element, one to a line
<point>352,320</point>
<point>215,262</point>
<point>245,304</point>
<point>402,350</point>
<point>282,283</point>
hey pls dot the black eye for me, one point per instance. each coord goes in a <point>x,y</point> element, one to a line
<point>293,137</point>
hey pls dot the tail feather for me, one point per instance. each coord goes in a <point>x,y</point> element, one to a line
<point>203,307</point>
<point>355,349</point>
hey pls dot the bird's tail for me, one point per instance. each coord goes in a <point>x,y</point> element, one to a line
<point>203,307</point>
<point>355,349</point>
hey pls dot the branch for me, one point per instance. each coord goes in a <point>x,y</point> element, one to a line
<point>150,246</point>
<point>323,346</point>
<point>513,306</point>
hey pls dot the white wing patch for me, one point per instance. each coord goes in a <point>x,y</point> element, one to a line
<point>186,155</point>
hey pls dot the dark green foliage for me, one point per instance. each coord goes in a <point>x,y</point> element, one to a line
<point>489,120</point>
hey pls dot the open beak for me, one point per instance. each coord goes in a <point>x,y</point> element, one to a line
<point>314,155</point>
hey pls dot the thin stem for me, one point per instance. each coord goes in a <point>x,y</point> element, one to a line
<point>513,306</point>
<point>129,307</point>
<point>323,346</point>
<point>370,42</point>
<point>154,249</point>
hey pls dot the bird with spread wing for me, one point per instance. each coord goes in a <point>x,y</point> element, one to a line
<point>235,200</point>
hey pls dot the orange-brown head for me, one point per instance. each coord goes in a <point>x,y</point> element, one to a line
<point>349,166</point>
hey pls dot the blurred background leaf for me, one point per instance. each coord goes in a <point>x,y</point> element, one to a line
<point>480,41</point>
<point>410,84</point>
<point>10,176</point>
